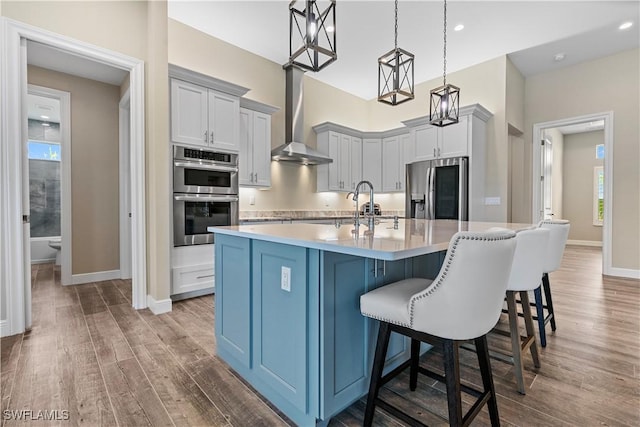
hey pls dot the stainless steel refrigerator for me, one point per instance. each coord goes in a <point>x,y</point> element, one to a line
<point>438,189</point>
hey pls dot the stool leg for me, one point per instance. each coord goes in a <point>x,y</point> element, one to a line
<point>452,380</point>
<point>528,322</point>
<point>546,286</point>
<point>415,359</point>
<point>487,378</point>
<point>516,346</point>
<point>376,373</point>
<point>540,313</point>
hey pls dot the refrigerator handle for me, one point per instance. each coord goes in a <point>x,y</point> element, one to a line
<point>463,190</point>
<point>430,209</point>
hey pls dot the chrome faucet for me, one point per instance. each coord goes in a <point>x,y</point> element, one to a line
<point>370,216</point>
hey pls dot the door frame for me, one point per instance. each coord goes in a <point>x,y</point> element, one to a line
<point>13,85</point>
<point>124,149</point>
<point>538,128</point>
<point>65,176</point>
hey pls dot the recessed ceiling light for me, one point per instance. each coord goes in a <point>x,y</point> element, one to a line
<point>626,25</point>
<point>458,27</point>
<point>558,57</point>
<point>330,29</point>
<point>44,117</point>
<point>46,124</point>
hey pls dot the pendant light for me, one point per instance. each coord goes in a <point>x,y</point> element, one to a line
<point>312,34</point>
<point>444,105</point>
<point>395,73</point>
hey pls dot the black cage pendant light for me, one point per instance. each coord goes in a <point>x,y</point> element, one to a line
<point>312,34</point>
<point>444,105</point>
<point>395,73</point>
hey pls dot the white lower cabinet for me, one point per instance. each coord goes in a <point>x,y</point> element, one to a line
<point>192,278</point>
<point>192,271</point>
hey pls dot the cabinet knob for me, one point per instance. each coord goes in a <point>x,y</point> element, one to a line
<point>251,177</point>
<point>212,137</point>
<point>438,151</point>
<point>205,136</point>
<point>434,151</point>
<point>255,176</point>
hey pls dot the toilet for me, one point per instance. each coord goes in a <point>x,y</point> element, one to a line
<point>57,245</point>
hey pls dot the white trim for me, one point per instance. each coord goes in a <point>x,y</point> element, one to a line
<point>158,307</point>
<point>13,87</point>
<point>4,328</point>
<point>607,267</point>
<point>65,177</point>
<point>42,261</point>
<point>594,243</point>
<point>98,276</point>
<point>124,119</point>
<point>624,272</point>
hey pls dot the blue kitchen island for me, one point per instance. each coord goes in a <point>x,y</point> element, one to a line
<point>287,304</point>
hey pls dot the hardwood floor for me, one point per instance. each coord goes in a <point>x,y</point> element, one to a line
<point>91,354</point>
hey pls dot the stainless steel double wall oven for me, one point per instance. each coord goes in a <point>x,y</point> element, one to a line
<point>205,193</point>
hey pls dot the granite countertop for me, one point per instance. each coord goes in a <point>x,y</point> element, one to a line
<point>411,237</point>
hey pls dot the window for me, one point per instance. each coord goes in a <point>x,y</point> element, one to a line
<point>44,188</point>
<point>600,151</point>
<point>598,195</point>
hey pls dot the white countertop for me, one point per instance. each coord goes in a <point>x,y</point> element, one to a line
<point>413,237</point>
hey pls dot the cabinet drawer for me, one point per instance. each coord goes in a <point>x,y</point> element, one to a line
<point>192,278</point>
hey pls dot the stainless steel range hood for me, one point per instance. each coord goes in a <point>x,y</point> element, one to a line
<point>295,150</point>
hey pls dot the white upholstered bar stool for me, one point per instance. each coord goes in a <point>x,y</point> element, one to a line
<point>558,235</point>
<point>528,263</point>
<point>462,303</point>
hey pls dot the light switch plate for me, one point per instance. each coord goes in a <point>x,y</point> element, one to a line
<point>252,199</point>
<point>285,279</point>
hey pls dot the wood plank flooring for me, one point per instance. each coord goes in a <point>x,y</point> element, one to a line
<point>91,354</point>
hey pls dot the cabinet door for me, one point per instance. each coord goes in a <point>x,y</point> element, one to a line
<point>356,163</point>
<point>334,167</point>
<point>405,156</point>
<point>280,324</point>
<point>245,156</point>
<point>372,162</point>
<point>233,298</point>
<point>261,149</point>
<point>344,163</point>
<point>188,113</point>
<point>425,141</point>
<point>390,162</point>
<point>224,113</point>
<point>455,139</point>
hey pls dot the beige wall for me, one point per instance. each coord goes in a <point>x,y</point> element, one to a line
<point>601,85</point>
<point>94,169</point>
<point>515,96</point>
<point>137,29</point>
<point>579,161</point>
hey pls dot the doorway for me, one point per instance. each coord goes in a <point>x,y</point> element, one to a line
<point>14,227</point>
<point>49,170</point>
<point>548,181</point>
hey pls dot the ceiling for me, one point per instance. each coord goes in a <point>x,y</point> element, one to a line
<point>530,32</point>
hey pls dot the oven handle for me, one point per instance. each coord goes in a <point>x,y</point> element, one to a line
<point>204,198</point>
<point>193,165</point>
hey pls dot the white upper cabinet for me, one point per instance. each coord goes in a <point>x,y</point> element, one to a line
<point>432,142</point>
<point>254,159</point>
<point>224,113</point>
<point>344,173</point>
<point>205,111</point>
<point>393,162</point>
<point>372,162</point>
<point>189,113</point>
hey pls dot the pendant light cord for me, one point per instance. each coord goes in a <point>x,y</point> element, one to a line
<point>444,74</point>
<point>396,29</point>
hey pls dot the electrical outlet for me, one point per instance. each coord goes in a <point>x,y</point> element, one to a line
<point>285,279</point>
<point>252,200</point>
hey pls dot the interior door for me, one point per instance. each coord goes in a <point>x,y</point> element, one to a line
<point>26,224</point>
<point>546,179</point>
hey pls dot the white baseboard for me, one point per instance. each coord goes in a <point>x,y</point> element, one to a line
<point>158,307</point>
<point>98,276</point>
<point>624,272</point>
<point>594,243</point>
<point>4,328</point>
